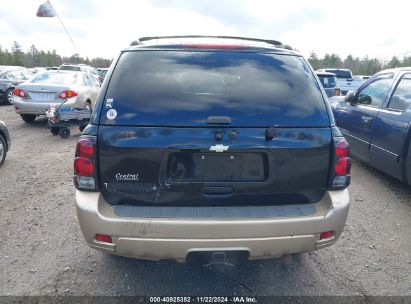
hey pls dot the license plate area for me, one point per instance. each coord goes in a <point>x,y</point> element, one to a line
<point>42,96</point>
<point>217,167</point>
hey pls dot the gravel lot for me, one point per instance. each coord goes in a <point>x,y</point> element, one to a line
<point>42,251</point>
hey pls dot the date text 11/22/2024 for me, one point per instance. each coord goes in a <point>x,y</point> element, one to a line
<point>204,299</point>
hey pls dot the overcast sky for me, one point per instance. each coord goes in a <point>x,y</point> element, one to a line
<point>103,27</point>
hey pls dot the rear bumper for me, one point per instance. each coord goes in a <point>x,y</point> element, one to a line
<point>30,107</point>
<point>175,238</point>
<point>22,106</point>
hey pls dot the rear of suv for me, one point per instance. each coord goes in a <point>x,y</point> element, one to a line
<point>212,145</point>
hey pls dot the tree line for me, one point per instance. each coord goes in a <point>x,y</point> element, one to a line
<point>39,58</point>
<point>358,66</point>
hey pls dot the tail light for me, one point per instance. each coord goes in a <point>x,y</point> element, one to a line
<point>103,238</point>
<point>326,235</point>
<point>337,92</point>
<point>85,173</point>
<point>340,173</point>
<point>68,94</point>
<point>19,93</point>
<point>83,166</point>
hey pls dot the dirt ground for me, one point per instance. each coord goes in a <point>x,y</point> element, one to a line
<point>42,251</point>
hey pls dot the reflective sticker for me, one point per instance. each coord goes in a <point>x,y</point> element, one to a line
<point>111,114</point>
<point>109,103</point>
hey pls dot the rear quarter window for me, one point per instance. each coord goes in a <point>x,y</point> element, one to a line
<point>183,88</point>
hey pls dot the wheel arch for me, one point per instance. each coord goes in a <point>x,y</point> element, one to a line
<point>5,139</point>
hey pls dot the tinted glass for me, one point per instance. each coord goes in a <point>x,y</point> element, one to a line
<point>69,68</point>
<point>180,88</point>
<point>401,99</point>
<point>93,71</point>
<point>103,73</point>
<point>88,81</point>
<point>55,78</point>
<point>374,94</point>
<point>340,73</point>
<point>327,81</point>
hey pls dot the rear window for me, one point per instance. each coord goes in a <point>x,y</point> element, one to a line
<point>69,68</point>
<point>181,88</point>
<point>56,78</point>
<point>327,81</point>
<point>103,73</point>
<point>340,73</point>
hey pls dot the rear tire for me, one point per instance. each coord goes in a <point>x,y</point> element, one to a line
<point>8,97</point>
<point>54,130</point>
<point>64,132</point>
<point>28,117</point>
<point>3,150</point>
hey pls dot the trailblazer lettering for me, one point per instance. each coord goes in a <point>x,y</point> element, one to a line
<point>127,177</point>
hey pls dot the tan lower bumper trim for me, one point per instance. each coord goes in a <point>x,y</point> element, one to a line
<point>179,248</point>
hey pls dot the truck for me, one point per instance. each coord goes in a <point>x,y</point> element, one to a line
<point>346,81</point>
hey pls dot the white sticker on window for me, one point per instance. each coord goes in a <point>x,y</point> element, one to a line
<point>111,114</point>
<point>109,103</point>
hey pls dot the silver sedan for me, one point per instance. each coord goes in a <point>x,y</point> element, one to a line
<point>54,88</point>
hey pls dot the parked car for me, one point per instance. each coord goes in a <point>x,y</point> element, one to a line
<point>31,98</point>
<point>36,70</point>
<point>198,147</point>
<point>345,79</point>
<point>362,77</point>
<point>102,72</point>
<point>4,142</point>
<point>329,83</point>
<point>10,77</point>
<point>83,68</point>
<point>376,121</point>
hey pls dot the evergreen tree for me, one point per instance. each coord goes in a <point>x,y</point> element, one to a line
<point>394,62</point>
<point>17,54</point>
<point>314,60</point>
<point>33,56</point>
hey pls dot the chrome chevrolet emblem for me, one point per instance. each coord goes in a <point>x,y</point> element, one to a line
<point>219,148</point>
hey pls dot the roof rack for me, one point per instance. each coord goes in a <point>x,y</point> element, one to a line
<point>272,42</point>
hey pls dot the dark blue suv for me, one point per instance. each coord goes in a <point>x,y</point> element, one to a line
<point>211,145</point>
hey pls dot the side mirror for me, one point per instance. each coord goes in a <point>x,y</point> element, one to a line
<point>350,97</point>
<point>365,99</point>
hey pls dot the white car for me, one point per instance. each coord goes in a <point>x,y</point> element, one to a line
<point>67,89</point>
